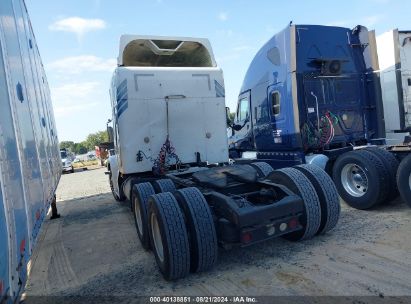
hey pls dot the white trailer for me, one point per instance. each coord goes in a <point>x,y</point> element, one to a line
<point>394,56</point>
<point>171,162</point>
<point>30,164</point>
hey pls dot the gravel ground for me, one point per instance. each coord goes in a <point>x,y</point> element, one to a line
<point>93,250</point>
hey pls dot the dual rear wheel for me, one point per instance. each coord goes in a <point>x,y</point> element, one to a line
<point>139,204</point>
<point>366,178</point>
<point>404,179</point>
<point>321,201</point>
<point>179,226</point>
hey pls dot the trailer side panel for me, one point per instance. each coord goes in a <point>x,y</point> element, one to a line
<point>30,166</point>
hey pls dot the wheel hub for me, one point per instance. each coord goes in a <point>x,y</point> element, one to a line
<point>354,180</point>
<point>357,178</point>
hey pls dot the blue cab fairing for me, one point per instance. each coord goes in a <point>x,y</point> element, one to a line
<point>310,88</point>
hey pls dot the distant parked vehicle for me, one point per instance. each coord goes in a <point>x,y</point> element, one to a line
<point>66,161</point>
<point>102,152</point>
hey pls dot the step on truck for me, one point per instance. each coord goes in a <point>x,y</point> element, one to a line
<point>312,95</point>
<point>30,164</point>
<point>171,162</point>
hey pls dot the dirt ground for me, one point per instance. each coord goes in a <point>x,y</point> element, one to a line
<point>93,249</point>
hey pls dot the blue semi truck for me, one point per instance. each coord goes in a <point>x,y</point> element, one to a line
<point>312,95</point>
<point>30,165</point>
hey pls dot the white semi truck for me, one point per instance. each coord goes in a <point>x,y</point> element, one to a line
<point>171,162</point>
<point>394,57</point>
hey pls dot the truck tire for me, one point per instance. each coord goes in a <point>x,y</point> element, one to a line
<point>164,185</point>
<point>139,200</point>
<point>263,168</point>
<point>120,198</point>
<point>391,165</point>
<point>404,179</point>
<point>361,179</point>
<point>327,194</point>
<point>200,227</point>
<point>168,236</point>
<point>297,182</point>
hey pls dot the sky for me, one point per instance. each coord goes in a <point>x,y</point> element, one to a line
<point>79,40</point>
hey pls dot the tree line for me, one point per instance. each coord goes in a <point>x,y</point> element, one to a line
<point>92,140</point>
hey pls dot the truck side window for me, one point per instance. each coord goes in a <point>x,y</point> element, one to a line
<point>275,103</point>
<point>243,109</point>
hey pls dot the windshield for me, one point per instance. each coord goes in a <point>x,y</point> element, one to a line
<point>63,154</point>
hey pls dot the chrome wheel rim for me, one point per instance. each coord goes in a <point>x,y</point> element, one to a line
<point>158,244</point>
<point>354,180</point>
<point>137,214</point>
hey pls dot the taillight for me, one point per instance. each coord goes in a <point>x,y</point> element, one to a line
<point>293,223</point>
<point>246,237</point>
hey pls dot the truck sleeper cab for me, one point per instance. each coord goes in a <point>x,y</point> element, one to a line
<point>166,95</point>
<point>171,162</point>
<point>312,95</point>
<point>394,58</point>
<point>307,90</point>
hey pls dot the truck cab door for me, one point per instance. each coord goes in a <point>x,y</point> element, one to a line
<point>273,131</point>
<point>243,139</point>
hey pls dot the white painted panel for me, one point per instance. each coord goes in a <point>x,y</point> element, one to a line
<point>142,120</point>
<point>405,57</point>
<point>390,99</point>
<point>195,122</point>
<point>198,125</point>
<point>387,48</point>
<point>386,51</point>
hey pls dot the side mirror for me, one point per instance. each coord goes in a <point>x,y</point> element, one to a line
<point>110,134</point>
<point>227,116</point>
<point>236,127</point>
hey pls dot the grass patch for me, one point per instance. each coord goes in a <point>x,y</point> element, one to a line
<point>86,163</point>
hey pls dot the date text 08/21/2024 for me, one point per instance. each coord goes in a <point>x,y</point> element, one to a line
<point>205,299</point>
